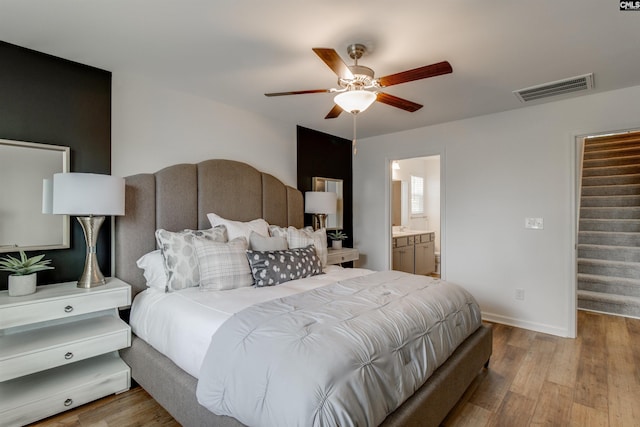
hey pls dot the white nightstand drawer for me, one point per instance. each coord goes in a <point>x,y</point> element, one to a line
<point>40,395</point>
<point>62,300</point>
<point>35,350</point>
<point>338,256</point>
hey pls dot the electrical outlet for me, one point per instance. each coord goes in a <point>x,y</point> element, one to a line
<point>520,294</point>
<point>534,223</point>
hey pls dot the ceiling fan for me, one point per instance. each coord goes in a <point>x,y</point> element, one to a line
<point>358,88</point>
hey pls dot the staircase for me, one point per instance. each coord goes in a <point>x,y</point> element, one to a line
<point>609,227</point>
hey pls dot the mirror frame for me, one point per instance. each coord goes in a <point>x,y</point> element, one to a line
<point>334,221</point>
<point>38,196</point>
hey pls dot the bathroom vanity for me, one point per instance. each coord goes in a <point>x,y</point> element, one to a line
<point>414,251</point>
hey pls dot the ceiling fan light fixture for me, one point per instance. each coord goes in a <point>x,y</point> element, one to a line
<point>355,101</point>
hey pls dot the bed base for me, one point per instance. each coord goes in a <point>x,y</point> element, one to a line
<point>175,390</point>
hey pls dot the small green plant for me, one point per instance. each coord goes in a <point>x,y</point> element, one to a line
<point>337,235</point>
<point>24,265</point>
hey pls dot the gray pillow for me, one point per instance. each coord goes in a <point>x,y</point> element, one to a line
<point>223,265</point>
<point>258,242</point>
<point>179,254</point>
<point>271,268</point>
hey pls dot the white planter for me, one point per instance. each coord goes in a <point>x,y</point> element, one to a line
<point>22,285</point>
<point>336,244</point>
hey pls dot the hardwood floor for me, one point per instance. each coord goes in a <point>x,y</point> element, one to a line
<point>533,380</point>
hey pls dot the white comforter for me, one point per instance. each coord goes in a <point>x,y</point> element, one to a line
<point>346,354</point>
<point>180,324</point>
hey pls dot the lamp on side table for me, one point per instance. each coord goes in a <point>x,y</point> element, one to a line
<point>90,197</point>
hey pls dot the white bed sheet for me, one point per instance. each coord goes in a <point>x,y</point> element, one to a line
<point>180,324</point>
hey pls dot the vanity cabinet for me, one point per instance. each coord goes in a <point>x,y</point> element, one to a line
<point>403,254</point>
<point>414,253</point>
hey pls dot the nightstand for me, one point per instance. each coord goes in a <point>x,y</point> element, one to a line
<point>59,349</point>
<point>338,256</point>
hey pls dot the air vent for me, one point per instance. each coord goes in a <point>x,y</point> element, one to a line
<point>560,87</point>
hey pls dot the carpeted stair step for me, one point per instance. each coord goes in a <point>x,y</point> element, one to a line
<point>633,178</point>
<point>608,238</point>
<point>631,212</point>
<point>611,170</point>
<point>611,161</point>
<point>613,190</point>
<point>613,225</point>
<point>608,145</point>
<point>608,303</point>
<point>610,285</point>
<point>629,270</point>
<point>609,253</point>
<point>603,201</point>
<point>625,151</point>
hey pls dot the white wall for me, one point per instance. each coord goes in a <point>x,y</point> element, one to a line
<point>154,127</point>
<point>497,170</point>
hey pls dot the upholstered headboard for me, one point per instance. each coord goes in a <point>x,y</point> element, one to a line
<point>180,197</point>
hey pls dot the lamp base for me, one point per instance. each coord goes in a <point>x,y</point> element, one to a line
<point>91,276</point>
<point>319,221</point>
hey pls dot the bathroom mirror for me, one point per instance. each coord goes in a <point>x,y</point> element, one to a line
<point>23,167</point>
<point>334,222</point>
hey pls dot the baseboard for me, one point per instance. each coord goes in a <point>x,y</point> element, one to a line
<point>533,326</point>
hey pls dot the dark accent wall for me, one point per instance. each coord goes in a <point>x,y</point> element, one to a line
<point>323,155</point>
<point>50,100</point>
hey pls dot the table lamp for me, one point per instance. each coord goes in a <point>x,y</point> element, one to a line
<point>320,204</point>
<point>90,197</point>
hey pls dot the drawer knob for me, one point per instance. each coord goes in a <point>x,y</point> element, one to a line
<point>68,402</point>
<point>68,309</point>
<point>68,356</point>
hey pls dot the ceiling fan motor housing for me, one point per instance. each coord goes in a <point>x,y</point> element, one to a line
<point>363,78</point>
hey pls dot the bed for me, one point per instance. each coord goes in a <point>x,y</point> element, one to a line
<point>180,197</point>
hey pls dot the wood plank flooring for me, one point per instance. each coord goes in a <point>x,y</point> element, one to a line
<point>533,380</point>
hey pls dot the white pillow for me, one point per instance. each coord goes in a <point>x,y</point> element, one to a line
<point>258,242</point>
<point>152,265</point>
<point>303,237</point>
<point>237,229</point>
<point>223,265</point>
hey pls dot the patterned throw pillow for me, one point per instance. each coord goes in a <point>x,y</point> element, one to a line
<point>271,268</point>
<point>303,237</point>
<point>179,253</point>
<point>223,265</point>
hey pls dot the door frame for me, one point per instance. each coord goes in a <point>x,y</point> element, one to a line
<point>388,213</point>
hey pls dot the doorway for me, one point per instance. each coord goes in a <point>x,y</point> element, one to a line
<point>416,215</point>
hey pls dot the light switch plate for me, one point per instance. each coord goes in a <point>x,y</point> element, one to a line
<point>534,223</point>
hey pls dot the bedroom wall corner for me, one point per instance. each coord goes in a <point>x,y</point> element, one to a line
<point>51,100</point>
<point>322,155</point>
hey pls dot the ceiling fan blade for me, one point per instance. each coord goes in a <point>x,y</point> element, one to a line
<point>416,74</point>
<point>401,103</point>
<point>298,92</point>
<point>335,112</point>
<point>333,61</point>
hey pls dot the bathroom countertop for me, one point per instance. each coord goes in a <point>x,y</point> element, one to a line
<point>406,233</point>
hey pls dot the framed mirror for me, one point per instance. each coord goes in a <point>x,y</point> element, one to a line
<point>23,167</point>
<point>334,222</point>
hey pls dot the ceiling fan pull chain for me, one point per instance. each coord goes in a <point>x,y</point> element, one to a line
<point>355,149</point>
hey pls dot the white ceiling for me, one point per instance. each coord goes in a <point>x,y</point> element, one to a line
<point>233,51</point>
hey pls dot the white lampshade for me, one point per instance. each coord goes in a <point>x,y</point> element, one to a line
<point>320,202</point>
<point>355,101</point>
<point>83,194</point>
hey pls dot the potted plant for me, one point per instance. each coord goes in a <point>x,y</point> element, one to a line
<point>22,280</point>
<point>337,237</point>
